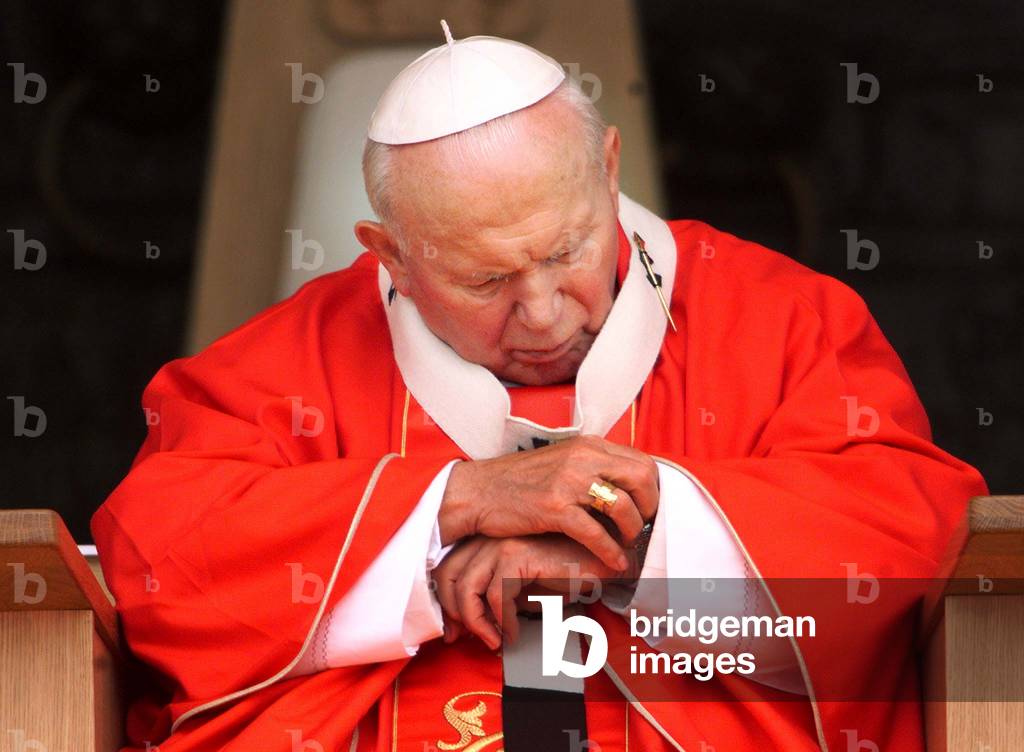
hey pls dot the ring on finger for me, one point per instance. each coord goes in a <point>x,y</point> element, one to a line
<point>604,494</point>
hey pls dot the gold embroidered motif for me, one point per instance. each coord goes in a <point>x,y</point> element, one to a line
<point>469,723</point>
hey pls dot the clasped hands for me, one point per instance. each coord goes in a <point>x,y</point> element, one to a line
<point>525,517</point>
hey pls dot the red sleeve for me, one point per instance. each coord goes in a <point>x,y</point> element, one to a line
<point>841,473</point>
<point>846,452</point>
<point>221,540</point>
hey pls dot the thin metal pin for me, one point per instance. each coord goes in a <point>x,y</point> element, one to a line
<point>646,261</point>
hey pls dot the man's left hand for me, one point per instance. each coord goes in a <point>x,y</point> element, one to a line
<point>479,582</point>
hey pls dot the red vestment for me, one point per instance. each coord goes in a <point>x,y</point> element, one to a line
<point>283,457</point>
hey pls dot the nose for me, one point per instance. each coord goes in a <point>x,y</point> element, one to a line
<point>540,301</point>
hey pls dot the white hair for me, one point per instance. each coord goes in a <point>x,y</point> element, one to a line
<point>469,146</point>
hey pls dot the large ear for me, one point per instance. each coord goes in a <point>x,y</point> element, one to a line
<point>612,148</point>
<point>375,238</point>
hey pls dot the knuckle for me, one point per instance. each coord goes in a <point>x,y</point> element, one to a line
<point>556,503</point>
<point>650,470</point>
<point>592,535</point>
<point>567,519</point>
<point>494,593</point>
<point>582,446</point>
<point>631,504</point>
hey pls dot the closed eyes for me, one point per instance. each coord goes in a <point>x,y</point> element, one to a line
<point>566,255</point>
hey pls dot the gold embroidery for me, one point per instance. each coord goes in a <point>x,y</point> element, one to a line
<point>469,723</point>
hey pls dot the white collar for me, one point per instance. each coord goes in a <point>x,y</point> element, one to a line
<point>472,407</point>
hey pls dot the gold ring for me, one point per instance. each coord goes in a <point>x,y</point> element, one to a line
<point>604,496</point>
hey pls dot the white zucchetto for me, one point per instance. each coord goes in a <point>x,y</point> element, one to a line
<point>459,85</point>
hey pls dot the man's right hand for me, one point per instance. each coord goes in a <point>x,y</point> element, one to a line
<point>545,491</point>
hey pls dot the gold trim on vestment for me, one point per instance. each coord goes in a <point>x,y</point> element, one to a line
<point>371,484</point>
<point>819,727</point>
<point>394,713</point>
<point>405,422</point>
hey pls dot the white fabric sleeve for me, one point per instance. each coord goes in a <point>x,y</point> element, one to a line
<point>390,611</point>
<point>704,569</point>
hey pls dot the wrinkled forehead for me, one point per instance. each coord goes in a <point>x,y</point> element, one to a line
<point>504,229</point>
<point>502,197</point>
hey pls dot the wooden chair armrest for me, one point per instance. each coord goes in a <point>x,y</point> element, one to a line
<point>974,690</point>
<point>990,547</point>
<point>984,557</point>
<point>41,569</point>
<point>58,626</point>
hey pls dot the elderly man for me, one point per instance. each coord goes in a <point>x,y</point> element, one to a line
<point>529,377</point>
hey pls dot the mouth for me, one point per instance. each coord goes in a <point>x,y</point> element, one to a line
<point>536,357</point>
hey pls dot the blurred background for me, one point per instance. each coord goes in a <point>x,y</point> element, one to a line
<point>169,169</point>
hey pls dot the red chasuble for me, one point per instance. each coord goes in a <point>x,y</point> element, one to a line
<point>281,459</point>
